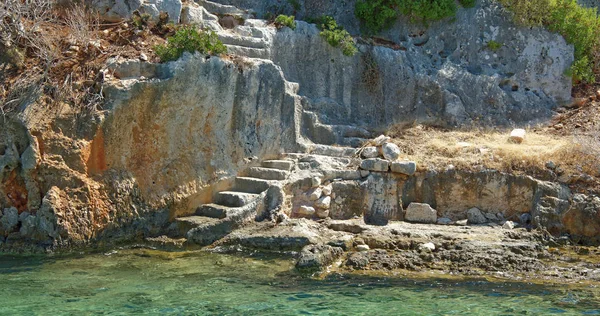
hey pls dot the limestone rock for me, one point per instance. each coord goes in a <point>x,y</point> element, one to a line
<point>116,10</point>
<point>9,220</point>
<point>380,140</point>
<point>327,189</point>
<point>420,213</point>
<point>324,202</point>
<point>390,151</point>
<point>475,216</point>
<point>315,182</point>
<point>370,152</point>
<point>375,164</point>
<point>444,221</point>
<point>192,14</point>
<point>404,167</point>
<point>315,194</point>
<point>427,247</point>
<point>462,222</point>
<point>517,135</point>
<point>322,213</point>
<point>362,247</point>
<point>508,225</point>
<point>491,217</point>
<point>316,257</point>
<point>306,210</point>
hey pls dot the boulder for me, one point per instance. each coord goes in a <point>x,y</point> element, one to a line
<point>404,167</point>
<point>475,216</point>
<point>517,135</point>
<point>9,220</point>
<point>421,213</point>
<point>322,213</point>
<point>390,151</point>
<point>370,152</point>
<point>375,164</point>
<point>429,247</point>
<point>316,257</point>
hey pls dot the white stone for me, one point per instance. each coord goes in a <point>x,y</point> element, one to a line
<point>143,57</point>
<point>370,152</point>
<point>444,221</point>
<point>404,167</point>
<point>324,202</point>
<point>391,151</point>
<point>306,210</point>
<point>508,225</point>
<point>475,216</point>
<point>427,246</point>
<point>362,248</point>
<point>327,190</point>
<point>322,213</point>
<point>315,182</point>
<point>315,194</point>
<point>420,213</point>
<point>375,164</point>
<point>462,222</point>
<point>517,135</point>
<point>380,140</point>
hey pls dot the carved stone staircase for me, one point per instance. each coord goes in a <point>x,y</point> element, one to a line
<point>233,208</point>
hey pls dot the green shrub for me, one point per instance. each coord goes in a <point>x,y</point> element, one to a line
<point>376,15</point>
<point>189,39</point>
<point>284,20</point>
<point>427,10</point>
<point>336,35</point>
<point>493,45</point>
<point>468,3</point>
<point>578,25</point>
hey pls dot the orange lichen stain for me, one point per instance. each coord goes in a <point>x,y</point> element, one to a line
<point>15,190</point>
<point>96,157</point>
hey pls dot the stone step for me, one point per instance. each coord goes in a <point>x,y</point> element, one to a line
<point>285,165</point>
<point>250,185</point>
<point>184,224</point>
<point>212,210</point>
<point>332,151</point>
<point>268,173</point>
<point>249,52</point>
<point>354,142</point>
<point>234,199</point>
<point>234,39</point>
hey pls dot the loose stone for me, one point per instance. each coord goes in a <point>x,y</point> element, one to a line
<point>390,151</point>
<point>404,167</point>
<point>324,202</point>
<point>517,135</point>
<point>475,216</point>
<point>306,210</point>
<point>370,152</point>
<point>421,213</point>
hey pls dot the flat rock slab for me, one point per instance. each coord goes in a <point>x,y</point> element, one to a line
<point>375,164</point>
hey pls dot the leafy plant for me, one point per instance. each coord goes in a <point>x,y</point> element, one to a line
<point>493,45</point>
<point>427,10</point>
<point>189,39</point>
<point>467,3</point>
<point>376,15</point>
<point>285,20</point>
<point>336,35</point>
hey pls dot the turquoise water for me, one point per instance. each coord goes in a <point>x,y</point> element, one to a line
<point>200,283</point>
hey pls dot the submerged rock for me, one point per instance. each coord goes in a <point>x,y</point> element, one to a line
<point>316,257</point>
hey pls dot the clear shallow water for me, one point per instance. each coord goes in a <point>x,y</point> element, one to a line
<point>200,283</point>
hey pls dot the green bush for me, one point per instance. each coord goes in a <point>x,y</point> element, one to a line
<point>493,45</point>
<point>376,15</point>
<point>336,36</point>
<point>284,20</point>
<point>427,10</point>
<point>189,39</point>
<point>468,3</point>
<point>578,25</point>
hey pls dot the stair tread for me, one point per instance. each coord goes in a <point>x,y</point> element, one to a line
<point>214,210</point>
<point>234,198</point>
<point>238,193</point>
<point>285,165</point>
<point>197,220</point>
<point>268,173</point>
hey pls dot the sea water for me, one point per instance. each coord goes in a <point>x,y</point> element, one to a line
<point>138,281</point>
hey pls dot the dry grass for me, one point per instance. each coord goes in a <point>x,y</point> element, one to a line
<point>475,150</point>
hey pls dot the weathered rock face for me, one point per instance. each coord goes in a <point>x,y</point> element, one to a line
<point>445,74</point>
<point>119,9</point>
<point>197,125</point>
